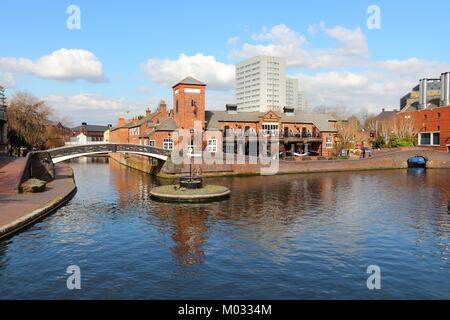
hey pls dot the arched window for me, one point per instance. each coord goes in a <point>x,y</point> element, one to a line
<point>304,132</point>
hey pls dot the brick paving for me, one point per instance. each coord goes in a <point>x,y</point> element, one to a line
<point>15,207</point>
<point>10,170</point>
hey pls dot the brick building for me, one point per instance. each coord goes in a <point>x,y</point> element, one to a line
<point>298,133</point>
<point>92,132</point>
<point>57,134</point>
<point>429,114</point>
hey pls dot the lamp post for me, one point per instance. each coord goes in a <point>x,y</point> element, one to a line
<point>190,162</point>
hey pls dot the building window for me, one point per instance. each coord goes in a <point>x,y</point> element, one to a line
<point>177,105</point>
<point>304,132</point>
<point>168,144</point>
<point>212,145</point>
<point>436,139</point>
<point>133,132</point>
<point>429,139</point>
<point>152,143</point>
<point>329,143</point>
<point>270,130</point>
<point>226,131</point>
<point>425,139</point>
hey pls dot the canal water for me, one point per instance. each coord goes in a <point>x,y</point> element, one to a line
<point>283,237</point>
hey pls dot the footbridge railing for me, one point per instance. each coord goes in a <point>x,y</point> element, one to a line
<point>70,152</point>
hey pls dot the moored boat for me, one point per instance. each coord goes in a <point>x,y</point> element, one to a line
<point>417,162</point>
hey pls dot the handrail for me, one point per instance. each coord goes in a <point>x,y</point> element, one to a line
<point>106,148</point>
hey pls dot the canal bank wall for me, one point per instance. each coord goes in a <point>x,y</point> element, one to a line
<point>141,163</point>
<point>382,160</point>
<point>20,210</point>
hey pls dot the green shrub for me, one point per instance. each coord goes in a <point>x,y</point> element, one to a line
<point>402,142</point>
<point>379,143</point>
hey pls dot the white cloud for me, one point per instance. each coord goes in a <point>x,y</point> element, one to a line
<point>280,40</point>
<point>62,64</point>
<point>381,84</point>
<point>215,74</point>
<point>216,100</point>
<point>280,35</point>
<point>7,80</point>
<point>420,68</point>
<point>344,73</point>
<point>94,108</point>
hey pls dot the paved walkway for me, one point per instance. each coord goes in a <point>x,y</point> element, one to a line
<point>10,170</point>
<point>19,210</point>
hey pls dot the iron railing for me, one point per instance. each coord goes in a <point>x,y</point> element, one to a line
<point>105,148</point>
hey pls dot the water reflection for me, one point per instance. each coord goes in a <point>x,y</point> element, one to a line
<point>188,232</point>
<point>297,236</point>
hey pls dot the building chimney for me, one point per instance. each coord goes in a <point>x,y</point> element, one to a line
<point>162,107</point>
<point>231,108</point>
<point>383,110</point>
<point>423,91</point>
<point>288,111</point>
<point>148,112</point>
<point>121,122</point>
<point>84,123</point>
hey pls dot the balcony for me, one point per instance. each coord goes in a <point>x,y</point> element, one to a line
<point>290,137</point>
<point>306,138</point>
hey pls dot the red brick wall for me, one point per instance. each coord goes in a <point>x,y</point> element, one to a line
<point>119,135</point>
<point>187,114</point>
<point>328,152</point>
<point>428,121</point>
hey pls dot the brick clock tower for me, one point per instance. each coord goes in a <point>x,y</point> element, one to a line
<point>189,103</point>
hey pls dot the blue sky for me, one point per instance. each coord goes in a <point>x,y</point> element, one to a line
<point>129,52</point>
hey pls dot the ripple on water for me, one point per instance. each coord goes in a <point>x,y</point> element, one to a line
<point>300,236</point>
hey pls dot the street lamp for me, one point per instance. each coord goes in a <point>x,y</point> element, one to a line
<point>190,151</point>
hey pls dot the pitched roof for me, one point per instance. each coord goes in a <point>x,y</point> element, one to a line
<point>91,127</point>
<point>138,123</point>
<point>167,125</point>
<point>386,115</point>
<point>322,121</point>
<point>190,80</point>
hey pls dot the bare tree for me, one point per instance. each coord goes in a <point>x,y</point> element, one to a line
<point>386,129</point>
<point>348,133</point>
<point>404,127</point>
<point>370,124</point>
<point>28,118</point>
